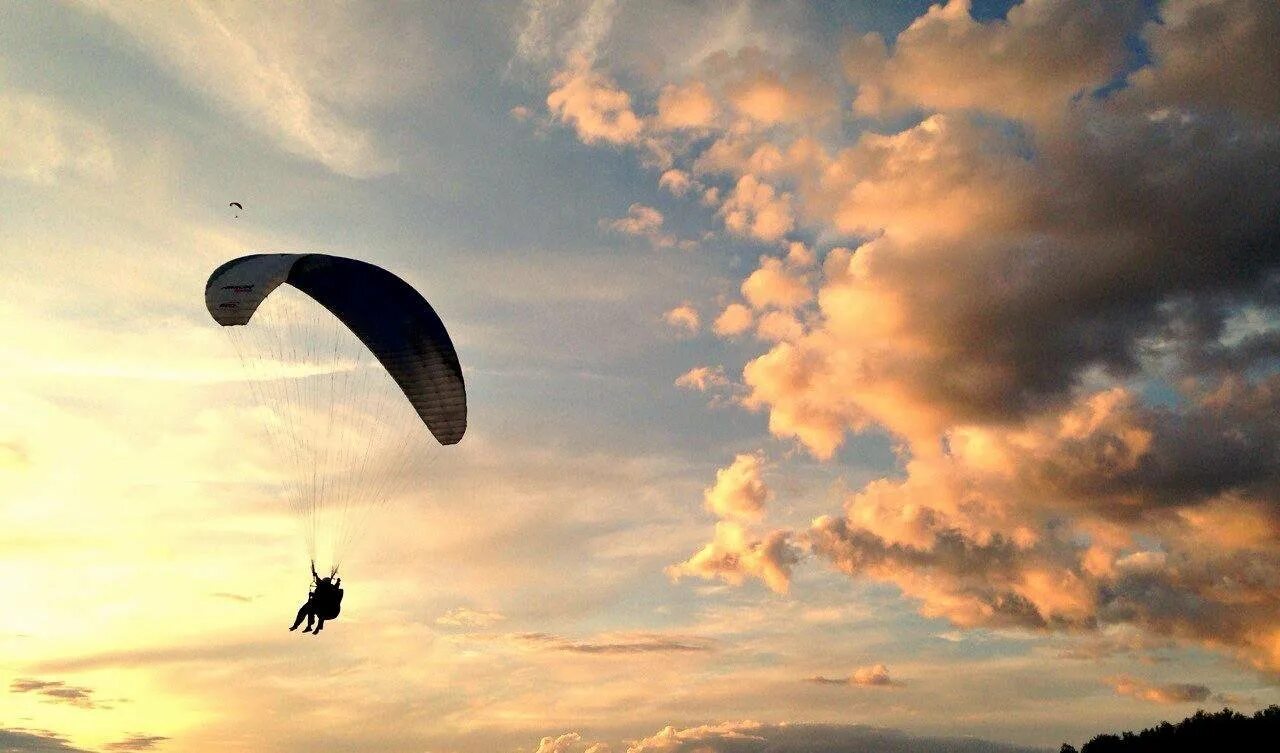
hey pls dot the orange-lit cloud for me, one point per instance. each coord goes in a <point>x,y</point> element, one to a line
<point>1176,692</point>
<point>772,286</point>
<point>756,210</point>
<point>593,105</point>
<point>739,491</point>
<point>734,320</point>
<point>702,378</point>
<point>734,556</point>
<point>687,106</point>
<point>684,318</point>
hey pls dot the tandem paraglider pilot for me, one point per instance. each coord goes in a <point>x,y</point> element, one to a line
<point>323,603</point>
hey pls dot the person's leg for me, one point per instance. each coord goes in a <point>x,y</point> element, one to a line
<point>311,618</point>
<point>302,612</point>
<point>319,626</point>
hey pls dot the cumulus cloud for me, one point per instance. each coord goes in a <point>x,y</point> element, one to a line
<point>874,675</point>
<point>734,320</point>
<point>739,491</point>
<point>688,106</point>
<point>1030,66</point>
<point>877,674</point>
<point>684,318</point>
<point>756,210</point>
<point>799,255</point>
<point>754,737</point>
<point>1060,297</point>
<point>1187,78</point>
<point>702,378</point>
<point>767,93</point>
<point>645,222</point>
<point>773,286</point>
<point>593,105</point>
<point>640,220</point>
<point>559,744</point>
<point>733,555</point>
<point>776,326</point>
<point>677,182</point>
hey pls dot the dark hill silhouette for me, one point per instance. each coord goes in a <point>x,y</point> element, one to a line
<point>1223,730</point>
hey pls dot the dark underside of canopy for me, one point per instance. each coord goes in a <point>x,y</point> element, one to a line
<point>391,318</point>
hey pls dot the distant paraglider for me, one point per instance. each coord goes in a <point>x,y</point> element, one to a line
<point>237,205</point>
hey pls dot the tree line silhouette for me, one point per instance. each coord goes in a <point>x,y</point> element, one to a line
<point>1223,730</point>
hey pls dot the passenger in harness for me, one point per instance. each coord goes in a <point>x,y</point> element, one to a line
<point>324,602</point>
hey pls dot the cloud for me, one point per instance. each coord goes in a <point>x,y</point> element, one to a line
<point>556,30</point>
<point>772,286</point>
<point>14,456</point>
<point>560,744</point>
<point>271,67</point>
<point>640,220</point>
<point>1030,66</point>
<point>768,96</point>
<point>623,643</point>
<point>799,255</point>
<point>588,101</point>
<point>678,182</point>
<point>689,106</point>
<point>57,691</point>
<point>754,737</point>
<point>234,597</point>
<point>645,222</point>
<point>777,326</point>
<point>135,742</point>
<point>43,142</point>
<point>874,675</point>
<point>734,320</point>
<point>756,210</point>
<point>18,740</point>
<point>739,491</point>
<point>702,378</point>
<point>465,617</point>
<point>1185,78</point>
<point>877,674</point>
<point>733,556</point>
<point>684,318</point>
<point>1161,693</point>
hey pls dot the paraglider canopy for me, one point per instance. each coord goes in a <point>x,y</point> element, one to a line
<point>391,318</point>
<point>235,204</point>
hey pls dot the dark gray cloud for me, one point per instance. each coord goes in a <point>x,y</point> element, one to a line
<point>135,742</point>
<point>57,691</point>
<point>18,740</point>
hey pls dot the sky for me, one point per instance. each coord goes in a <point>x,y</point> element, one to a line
<point>841,376</point>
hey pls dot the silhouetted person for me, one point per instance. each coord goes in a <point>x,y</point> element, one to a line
<point>323,603</point>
